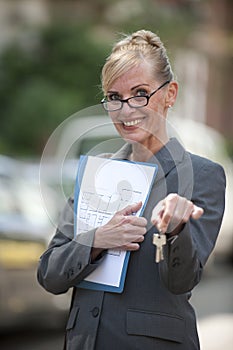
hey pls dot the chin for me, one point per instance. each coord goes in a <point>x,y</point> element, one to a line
<point>134,140</point>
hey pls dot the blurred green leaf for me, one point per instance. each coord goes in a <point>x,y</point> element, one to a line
<point>42,86</point>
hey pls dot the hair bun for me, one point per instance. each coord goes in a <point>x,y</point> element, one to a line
<point>130,51</point>
<point>140,38</point>
<point>143,37</point>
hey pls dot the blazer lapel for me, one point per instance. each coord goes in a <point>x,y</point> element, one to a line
<point>168,157</point>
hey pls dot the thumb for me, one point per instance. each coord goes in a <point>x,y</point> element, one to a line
<point>197,212</point>
<point>131,209</point>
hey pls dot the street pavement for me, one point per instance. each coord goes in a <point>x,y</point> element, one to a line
<point>213,302</point>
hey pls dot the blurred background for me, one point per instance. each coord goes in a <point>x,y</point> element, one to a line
<point>51,55</point>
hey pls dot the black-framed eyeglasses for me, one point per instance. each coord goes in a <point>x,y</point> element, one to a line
<point>133,102</point>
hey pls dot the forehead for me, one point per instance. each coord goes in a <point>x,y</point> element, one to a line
<point>137,75</point>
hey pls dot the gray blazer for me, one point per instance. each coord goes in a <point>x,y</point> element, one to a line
<point>153,311</point>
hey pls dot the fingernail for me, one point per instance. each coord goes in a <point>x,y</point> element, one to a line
<point>161,229</point>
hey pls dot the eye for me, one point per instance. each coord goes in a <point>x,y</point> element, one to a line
<point>113,97</point>
<point>141,92</point>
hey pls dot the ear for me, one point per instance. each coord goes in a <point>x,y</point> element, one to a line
<point>171,94</point>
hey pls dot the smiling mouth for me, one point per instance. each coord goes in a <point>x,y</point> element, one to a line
<point>132,122</point>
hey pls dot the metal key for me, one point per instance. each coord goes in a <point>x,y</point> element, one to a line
<point>159,240</point>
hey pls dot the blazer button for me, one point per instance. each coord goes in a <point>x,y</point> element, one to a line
<point>176,262</point>
<point>95,311</point>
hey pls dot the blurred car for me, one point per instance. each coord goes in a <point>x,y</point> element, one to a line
<point>25,230</point>
<point>96,134</point>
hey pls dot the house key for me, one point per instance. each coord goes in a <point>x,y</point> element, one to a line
<point>159,240</point>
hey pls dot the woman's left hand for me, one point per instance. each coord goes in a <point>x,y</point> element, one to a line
<point>170,214</point>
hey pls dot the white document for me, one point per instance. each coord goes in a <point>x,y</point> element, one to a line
<point>103,187</point>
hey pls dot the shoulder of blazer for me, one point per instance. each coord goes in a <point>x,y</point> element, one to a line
<point>200,162</point>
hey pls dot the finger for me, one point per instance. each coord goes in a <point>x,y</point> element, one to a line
<point>139,239</point>
<point>137,221</point>
<point>158,209</point>
<point>169,208</point>
<point>130,247</point>
<point>197,212</point>
<point>187,212</point>
<point>131,231</point>
<point>131,209</point>
<point>183,211</point>
<point>157,212</point>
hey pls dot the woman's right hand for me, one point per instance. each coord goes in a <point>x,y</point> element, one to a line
<point>124,231</point>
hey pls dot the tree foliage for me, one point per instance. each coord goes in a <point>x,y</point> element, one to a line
<point>44,84</point>
<point>45,80</point>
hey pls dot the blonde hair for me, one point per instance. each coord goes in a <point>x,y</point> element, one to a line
<point>129,52</point>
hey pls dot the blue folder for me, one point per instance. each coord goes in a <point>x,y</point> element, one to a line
<point>80,173</point>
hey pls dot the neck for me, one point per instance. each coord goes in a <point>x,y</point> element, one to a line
<point>142,153</point>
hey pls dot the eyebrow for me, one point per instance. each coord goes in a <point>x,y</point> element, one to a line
<point>133,88</point>
<point>139,85</point>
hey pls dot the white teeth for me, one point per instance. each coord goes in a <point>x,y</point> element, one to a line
<point>132,122</point>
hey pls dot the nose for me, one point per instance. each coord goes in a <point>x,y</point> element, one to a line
<point>123,113</point>
<point>126,108</point>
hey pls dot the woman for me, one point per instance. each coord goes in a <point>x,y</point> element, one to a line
<point>153,311</point>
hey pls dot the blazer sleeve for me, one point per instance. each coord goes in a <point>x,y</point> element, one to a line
<point>67,261</point>
<point>187,253</point>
